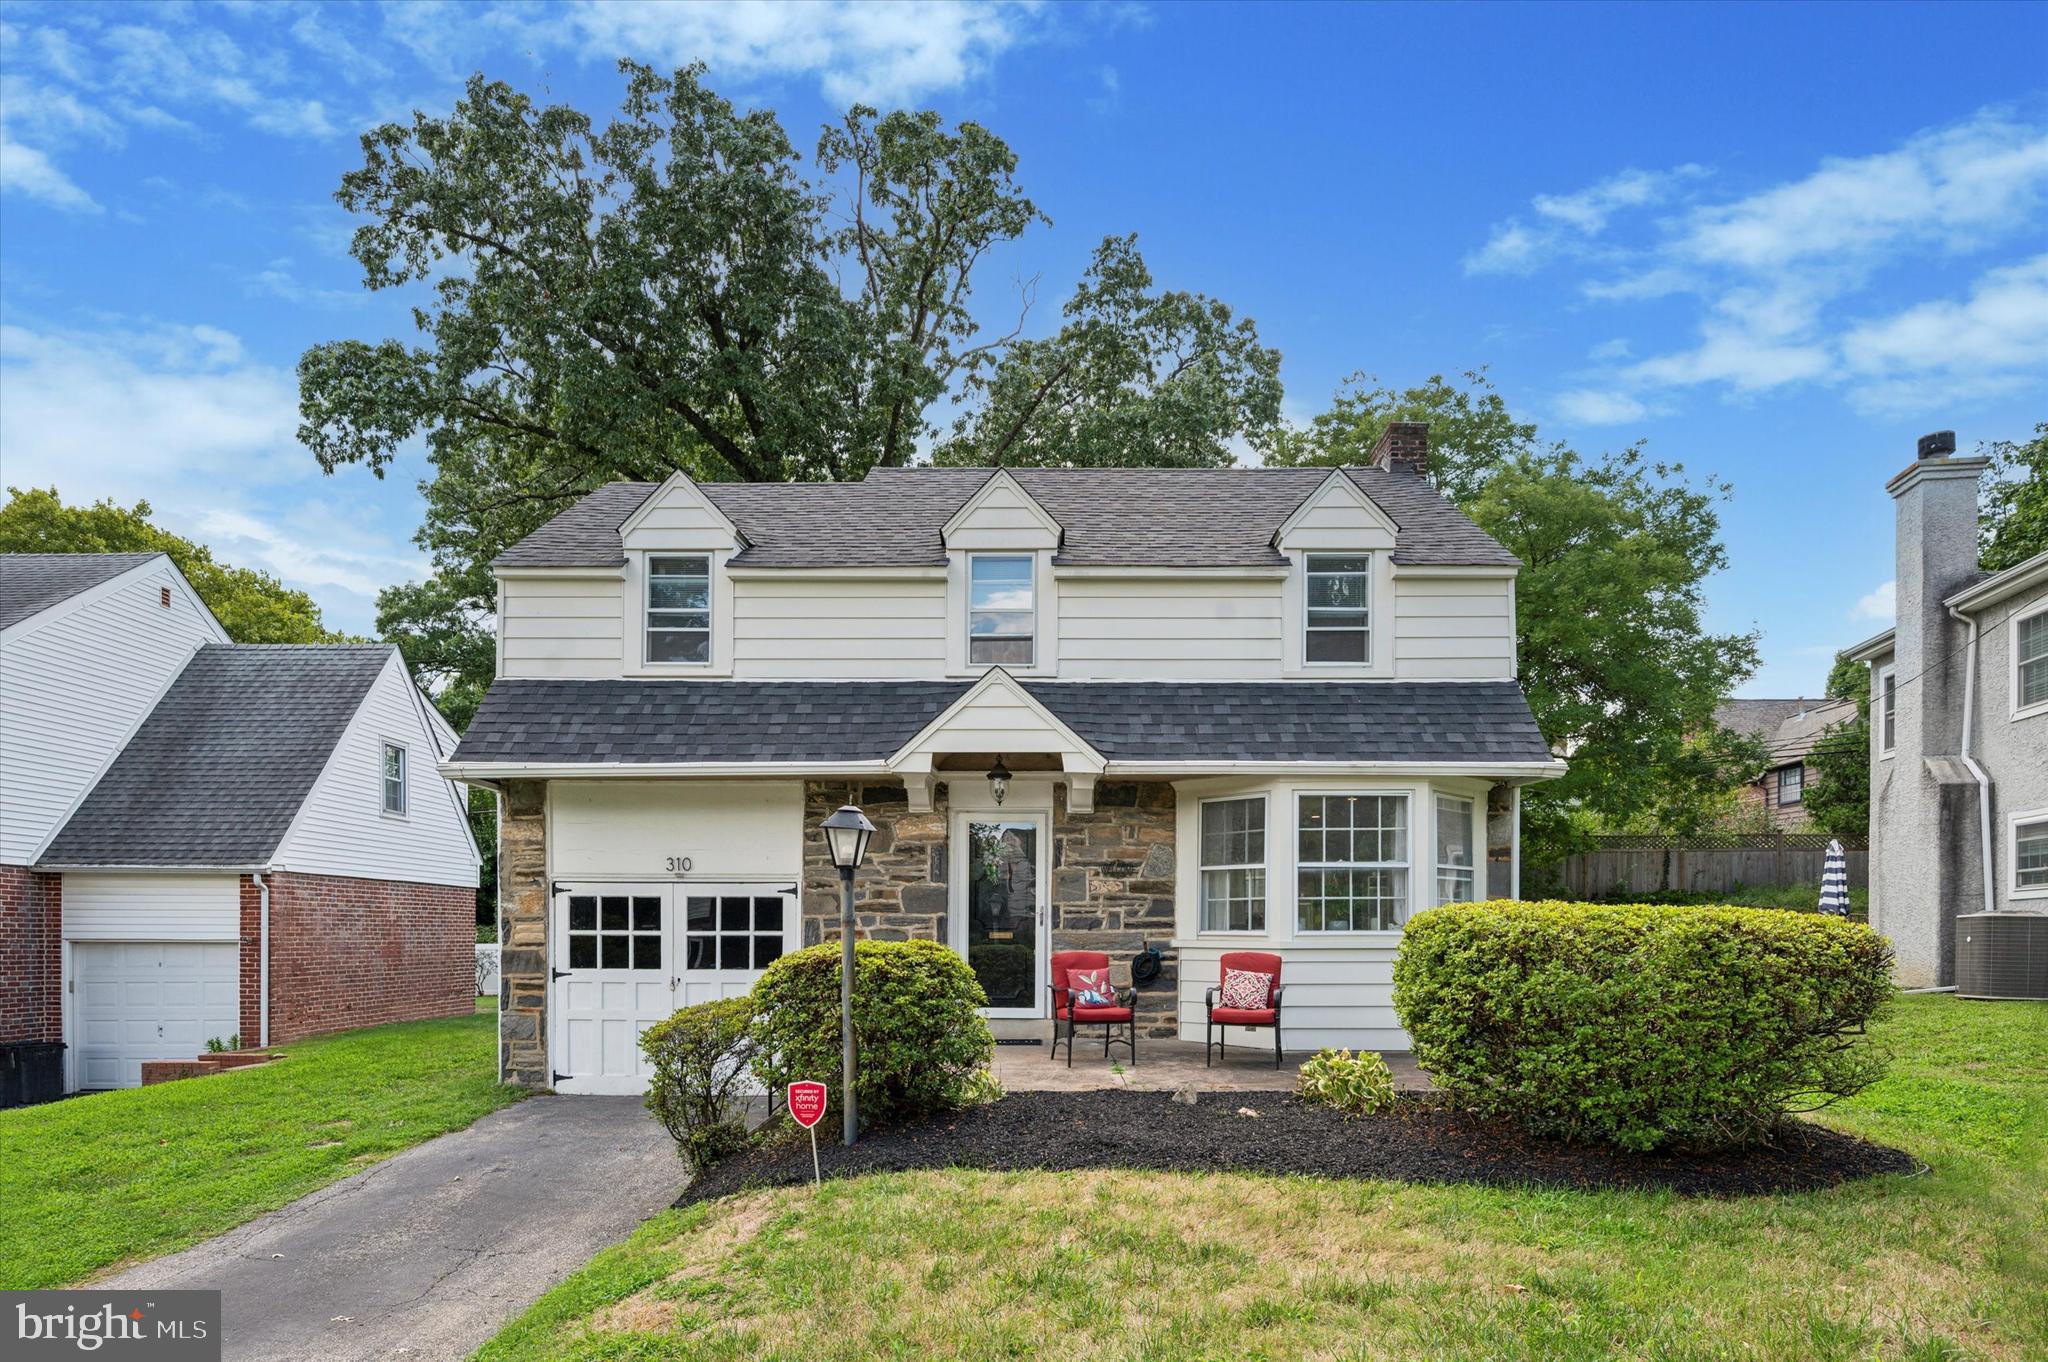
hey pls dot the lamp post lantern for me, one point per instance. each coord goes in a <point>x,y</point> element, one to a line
<point>846,836</point>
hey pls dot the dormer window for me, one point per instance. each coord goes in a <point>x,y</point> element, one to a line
<point>679,609</point>
<point>1339,596</point>
<point>1002,618</point>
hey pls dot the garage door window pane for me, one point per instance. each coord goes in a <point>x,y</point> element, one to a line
<point>583,914</point>
<point>733,932</point>
<point>612,952</point>
<point>733,914</point>
<point>647,915</point>
<point>768,915</point>
<point>698,953</point>
<point>647,952</point>
<point>767,950</point>
<point>611,914</point>
<point>582,950</point>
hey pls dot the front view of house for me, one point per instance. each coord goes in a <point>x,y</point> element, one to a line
<point>1179,711</point>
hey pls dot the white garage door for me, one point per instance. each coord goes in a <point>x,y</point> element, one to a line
<point>138,1000</point>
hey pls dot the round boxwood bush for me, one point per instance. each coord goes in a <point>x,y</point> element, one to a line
<point>1641,1025</point>
<point>917,1028</point>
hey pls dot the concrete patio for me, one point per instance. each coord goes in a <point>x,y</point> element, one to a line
<point>1168,1064</point>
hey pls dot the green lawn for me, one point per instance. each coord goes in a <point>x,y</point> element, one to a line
<point>1946,1265</point>
<point>96,1181</point>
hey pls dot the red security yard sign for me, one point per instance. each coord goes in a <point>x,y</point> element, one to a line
<point>807,1108</point>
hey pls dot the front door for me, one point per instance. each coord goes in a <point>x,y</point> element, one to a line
<point>999,907</point>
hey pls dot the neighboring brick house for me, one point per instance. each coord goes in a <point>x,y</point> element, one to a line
<point>1273,709</point>
<point>183,820</point>
<point>1789,729</point>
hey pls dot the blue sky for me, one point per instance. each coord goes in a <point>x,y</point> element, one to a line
<point>1777,242</point>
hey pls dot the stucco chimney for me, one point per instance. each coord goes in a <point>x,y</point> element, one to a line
<point>1403,447</point>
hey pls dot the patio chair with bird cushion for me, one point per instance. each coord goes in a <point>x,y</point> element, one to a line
<point>1248,995</point>
<point>1083,996</point>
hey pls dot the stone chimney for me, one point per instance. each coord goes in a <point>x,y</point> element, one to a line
<point>1403,447</point>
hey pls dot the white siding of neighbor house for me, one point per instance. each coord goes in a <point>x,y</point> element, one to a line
<point>840,629</point>
<point>629,829</point>
<point>1453,627</point>
<point>1170,628</point>
<point>102,907</point>
<point>562,626</point>
<point>342,828</point>
<point>75,683</point>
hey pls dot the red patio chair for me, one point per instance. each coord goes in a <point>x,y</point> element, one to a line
<point>1259,962</point>
<point>1109,1018</point>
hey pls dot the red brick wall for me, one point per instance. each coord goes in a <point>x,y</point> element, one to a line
<point>346,953</point>
<point>31,914</point>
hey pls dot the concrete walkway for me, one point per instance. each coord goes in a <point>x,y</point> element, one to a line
<point>1164,1065</point>
<point>426,1255</point>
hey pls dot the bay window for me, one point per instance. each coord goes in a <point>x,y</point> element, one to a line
<point>1351,863</point>
<point>1233,864</point>
<point>1456,864</point>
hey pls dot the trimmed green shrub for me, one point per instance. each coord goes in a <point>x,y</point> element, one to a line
<point>701,1057</point>
<point>918,1031</point>
<point>1641,1025</point>
<point>1353,1084</point>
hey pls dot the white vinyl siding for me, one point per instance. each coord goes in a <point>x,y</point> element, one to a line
<point>1338,995</point>
<point>75,683</point>
<point>342,828</point>
<point>1453,628</point>
<point>106,907</point>
<point>1158,628</point>
<point>568,626</point>
<point>848,628</point>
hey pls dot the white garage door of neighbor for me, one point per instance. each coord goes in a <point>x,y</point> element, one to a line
<point>628,955</point>
<point>137,1000</point>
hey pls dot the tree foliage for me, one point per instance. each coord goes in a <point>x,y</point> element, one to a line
<point>1837,793</point>
<point>1471,432</point>
<point>2015,501</point>
<point>252,605</point>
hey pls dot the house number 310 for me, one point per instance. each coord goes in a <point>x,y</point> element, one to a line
<point>678,865</point>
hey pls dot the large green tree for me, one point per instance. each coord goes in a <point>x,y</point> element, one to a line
<point>1837,793</point>
<point>1471,432</point>
<point>252,605</point>
<point>2015,501</point>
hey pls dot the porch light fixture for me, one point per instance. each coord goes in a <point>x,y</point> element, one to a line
<point>846,836</point>
<point>999,780</point>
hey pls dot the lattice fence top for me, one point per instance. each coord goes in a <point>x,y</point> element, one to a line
<point>1712,841</point>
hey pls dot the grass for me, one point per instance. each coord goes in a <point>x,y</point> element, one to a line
<point>1951,1264</point>
<point>102,1180</point>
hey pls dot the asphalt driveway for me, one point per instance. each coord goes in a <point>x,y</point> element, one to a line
<point>426,1255</point>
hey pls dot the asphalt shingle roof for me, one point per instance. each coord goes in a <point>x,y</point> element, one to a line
<point>31,583</point>
<point>572,722</point>
<point>219,768</point>
<point>1160,517</point>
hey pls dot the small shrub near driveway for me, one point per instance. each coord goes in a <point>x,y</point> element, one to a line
<point>701,1058</point>
<point>1353,1084</point>
<point>916,1024</point>
<point>1641,1025</point>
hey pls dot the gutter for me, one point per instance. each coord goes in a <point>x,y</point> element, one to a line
<point>1983,781</point>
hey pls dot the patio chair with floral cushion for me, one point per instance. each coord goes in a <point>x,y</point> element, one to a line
<point>1083,996</point>
<point>1249,995</point>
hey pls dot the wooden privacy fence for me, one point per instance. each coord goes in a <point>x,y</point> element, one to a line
<point>1710,864</point>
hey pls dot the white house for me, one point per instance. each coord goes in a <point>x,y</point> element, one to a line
<point>200,839</point>
<point>1261,708</point>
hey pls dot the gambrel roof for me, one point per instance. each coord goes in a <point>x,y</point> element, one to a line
<point>1151,517</point>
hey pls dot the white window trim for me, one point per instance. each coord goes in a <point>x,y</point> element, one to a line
<point>1371,600</point>
<point>1778,794</point>
<point>384,747</point>
<point>1877,703</point>
<point>2013,823</point>
<point>1265,867</point>
<point>1403,910</point>
<point>710,610</point>
<point>1472,828</point>
<point>2020,711</point>
<point>1030,560</point>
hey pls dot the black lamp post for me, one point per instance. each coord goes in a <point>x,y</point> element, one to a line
<point>846,837</point>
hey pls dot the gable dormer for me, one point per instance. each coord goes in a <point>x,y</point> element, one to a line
<point>1001,609</point>
<point>676,614</point>
<point>1338,602</point>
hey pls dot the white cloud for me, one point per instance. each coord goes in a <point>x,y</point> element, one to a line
<point>1878,606</point>
<point>883,54</point>
<point>24,170</point>
<point>1994,340</point>
<point>1511,249</point>
<point>1566,222</point>
<point>1588,407</point>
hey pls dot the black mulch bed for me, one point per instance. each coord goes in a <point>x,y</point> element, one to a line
<point>1055,1131</point>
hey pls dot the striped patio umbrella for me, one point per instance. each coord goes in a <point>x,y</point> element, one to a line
<point>1834,881</point>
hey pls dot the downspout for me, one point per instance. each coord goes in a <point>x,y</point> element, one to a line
<point>262,961</point>
<point>1983,780</point>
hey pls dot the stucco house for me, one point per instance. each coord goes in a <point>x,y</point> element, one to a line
<point>200,839</point>
<point>1959,725</point>
<point>1270,708</point>
<point>1789,731</point>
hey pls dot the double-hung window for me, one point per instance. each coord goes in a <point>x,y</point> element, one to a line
<point>1791,779</point>
<point>394,779</point>
<point>2030,854</point>
<point>2030,661</point>
<point>1337,627</point>
<point>1352,863</point>
<point>1887,710</point>
<point>679,609</point>
<point>1002,614</point>
<point>1456,869</point>
<point>1233,865</point>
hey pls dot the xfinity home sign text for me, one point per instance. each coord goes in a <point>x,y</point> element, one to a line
<point>156,1326</point>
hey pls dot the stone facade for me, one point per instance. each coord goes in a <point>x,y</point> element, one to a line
<point>523,935</point>
<point>1112,877</point>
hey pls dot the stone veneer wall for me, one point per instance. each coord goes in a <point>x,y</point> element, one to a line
<point>522,935</point>
<point>1112,877</point>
